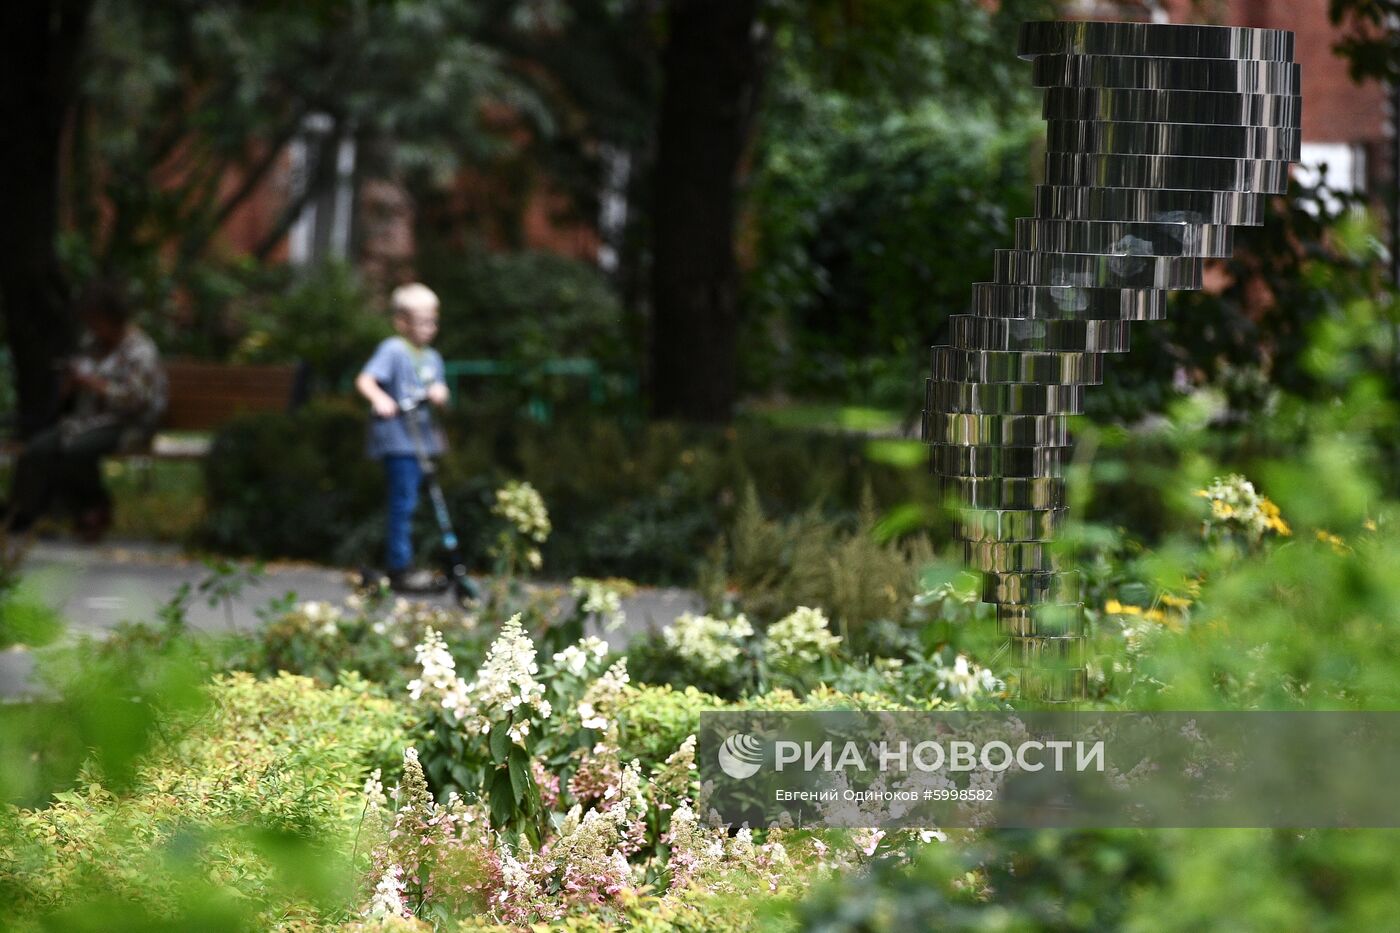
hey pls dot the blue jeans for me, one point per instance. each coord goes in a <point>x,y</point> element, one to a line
<point>404,476</point>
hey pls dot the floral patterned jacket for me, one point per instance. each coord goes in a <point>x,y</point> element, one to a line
<point>135,396</point>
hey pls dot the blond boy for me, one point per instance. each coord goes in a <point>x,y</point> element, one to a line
<point>404,368</point>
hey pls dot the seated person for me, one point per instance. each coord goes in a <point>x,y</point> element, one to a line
<point>114,394</point>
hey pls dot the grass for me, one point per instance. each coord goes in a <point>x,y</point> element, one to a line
<point>830,417</point>
<point>155,500</point>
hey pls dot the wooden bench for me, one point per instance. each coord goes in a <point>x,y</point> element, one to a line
<point>202,397</point>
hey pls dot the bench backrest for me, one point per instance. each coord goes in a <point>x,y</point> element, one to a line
<point>202,396</point>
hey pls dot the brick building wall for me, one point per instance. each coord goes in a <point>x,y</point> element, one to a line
<point>1343,121</point>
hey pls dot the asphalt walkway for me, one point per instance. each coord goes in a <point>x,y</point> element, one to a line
<point>96,587</point>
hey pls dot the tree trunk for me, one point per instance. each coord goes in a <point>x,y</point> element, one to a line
<point>712,72</point>
<point>39,44</point>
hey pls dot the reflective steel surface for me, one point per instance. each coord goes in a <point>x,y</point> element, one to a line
<point>1160,138</point>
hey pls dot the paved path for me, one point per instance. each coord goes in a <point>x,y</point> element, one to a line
<point>96,587</point>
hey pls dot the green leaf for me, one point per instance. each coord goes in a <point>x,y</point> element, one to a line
<point>465,779</point>
<point>521,779</point>
<point>502,801</point>
<point>500,744</point>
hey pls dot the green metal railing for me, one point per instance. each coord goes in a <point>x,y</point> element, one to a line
<point>537,407</point>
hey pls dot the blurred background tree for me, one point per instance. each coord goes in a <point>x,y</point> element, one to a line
<point>882,184</point>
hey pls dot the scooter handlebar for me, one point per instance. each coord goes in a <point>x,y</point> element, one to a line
<point>415,400</point>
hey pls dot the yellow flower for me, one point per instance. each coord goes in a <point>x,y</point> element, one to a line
<point>1369,524</point>
<point>1175,602</point>
<point>1170,622</point>
<point>1337,544</point>
<point>1275,520</point>
<point>1114,607</point>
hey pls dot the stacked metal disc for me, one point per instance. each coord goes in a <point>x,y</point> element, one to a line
<point>1160,139</point>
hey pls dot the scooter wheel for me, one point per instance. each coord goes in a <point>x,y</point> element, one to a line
<point>466,593</point>
<point>367,578</point>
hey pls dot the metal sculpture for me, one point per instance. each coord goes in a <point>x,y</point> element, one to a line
<point>1160,138</point>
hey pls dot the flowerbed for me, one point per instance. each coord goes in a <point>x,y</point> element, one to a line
<point>511,769</point>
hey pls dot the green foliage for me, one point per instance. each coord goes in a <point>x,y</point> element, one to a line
<point>1315,253</point>
<point>526,308</point>
<point>1369,43</point>
<point>689,912</point>
<point>1008,880</point>
<point>656,662</point>
<point>175,100</point>
<point>24,618</point>
<point>882,184</point>
<point>101,709</point>
<point>776,565</point>
<point>371,637</point>
<point>1294,619</point>
<point>322,317</point>
<point>655,720</point>
<point>221,817</point>
<point>639,502</point>
<point>157,500</point>
<point>1149,881</point>
<point>291,485</point>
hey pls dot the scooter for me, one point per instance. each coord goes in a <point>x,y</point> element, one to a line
<point>464,589</point>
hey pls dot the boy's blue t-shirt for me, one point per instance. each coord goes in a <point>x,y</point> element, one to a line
<point>403,371</point>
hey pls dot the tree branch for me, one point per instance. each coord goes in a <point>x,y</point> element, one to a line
<point>323,174</point>
<point>195,245</point>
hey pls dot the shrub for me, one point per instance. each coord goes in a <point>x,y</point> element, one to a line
<point>639,502</point>
<point>24,618</point>
<point>525,307</point>
<point>776,565</point>
<point>270,777</point>
<point>654,720</point>
<point>871,228</point>
<point>690,912</point>
<point>323,317</point>
<point>291,485</point>
<point>373,638</point>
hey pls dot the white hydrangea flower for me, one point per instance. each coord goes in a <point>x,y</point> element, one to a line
<point>800,638</point>
<point>515,877</point>
<point>388,895</point>
<point>630,790</point>
<point>575,658</point>
<point>1236,504</point>
<point>319,611</point>
<point>601,598</point>
<point>522,505</point>
<point>965,679</point>
<point>604,696</point>
<point>708,643</point>
<point>439,669</point>
<point>589,718</point>
<point>375,798</point>
<point>504,684</point>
